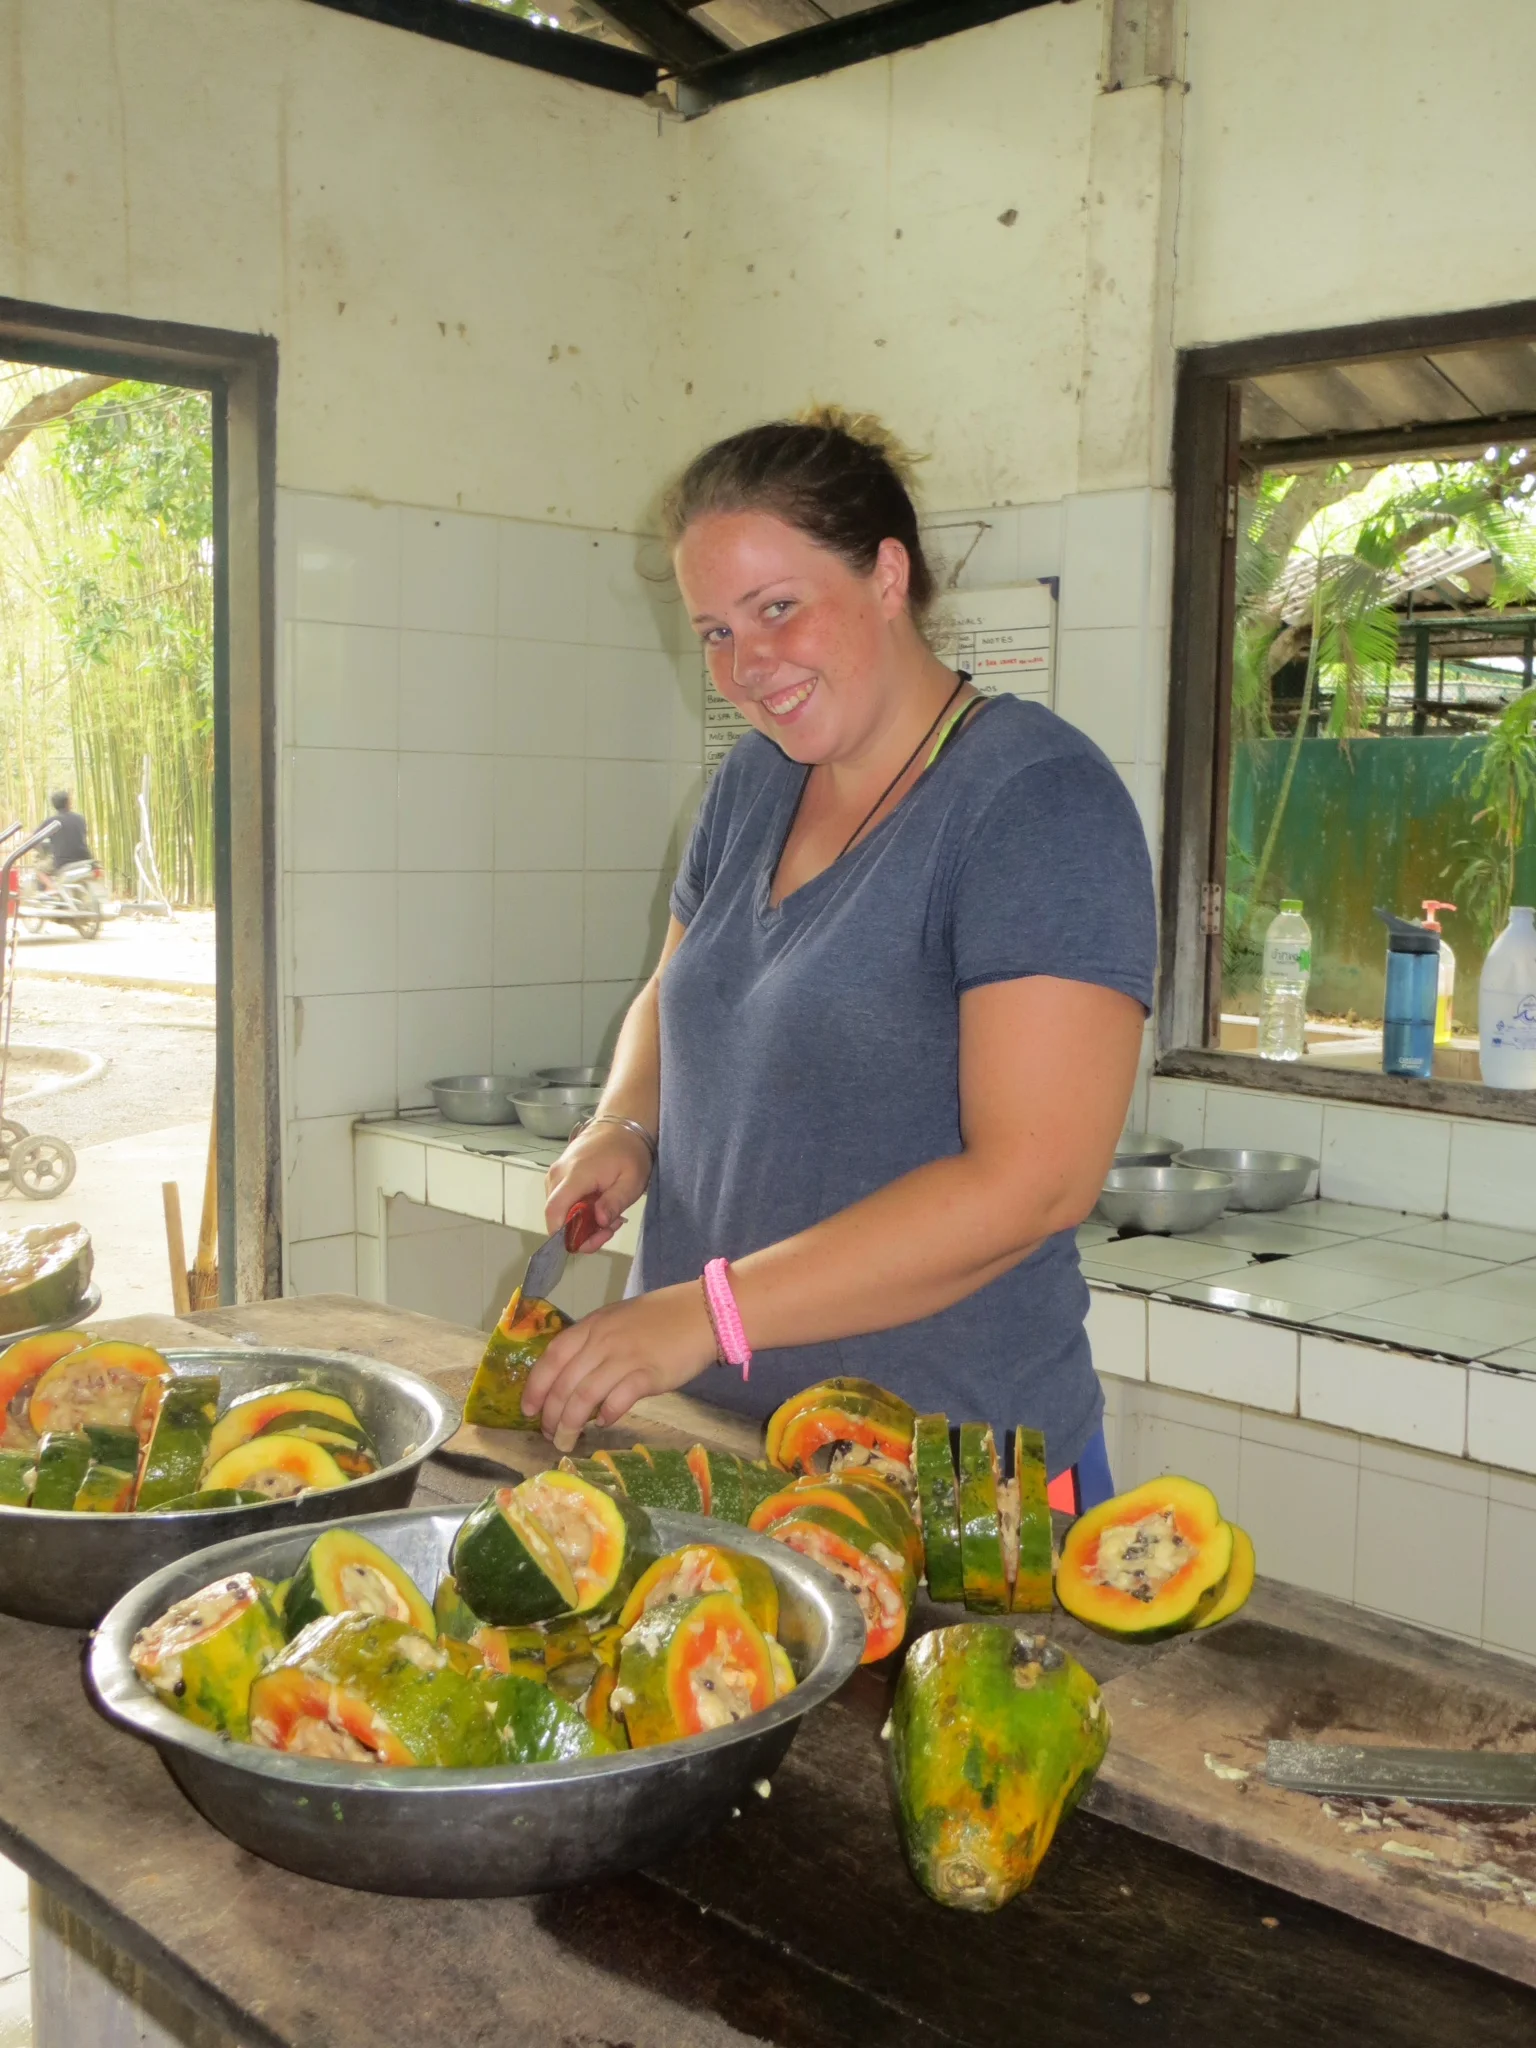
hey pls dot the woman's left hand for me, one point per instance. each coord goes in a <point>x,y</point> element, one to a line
<point>614,1357</point>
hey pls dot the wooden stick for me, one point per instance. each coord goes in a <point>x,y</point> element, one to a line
<point>176,1246</point>
<point>208,1229</point>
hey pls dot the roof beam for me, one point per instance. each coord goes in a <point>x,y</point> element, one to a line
<point>1437,437</point>
<point>667,30</point>
<point>494,34</point>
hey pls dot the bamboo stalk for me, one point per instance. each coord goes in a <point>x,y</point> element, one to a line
<point>203,1280</point>
<point>176,1247</point>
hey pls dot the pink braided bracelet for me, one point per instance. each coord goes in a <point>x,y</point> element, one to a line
<point>730,1337</point>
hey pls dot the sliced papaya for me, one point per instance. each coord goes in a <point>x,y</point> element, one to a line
<point>981,1535</point>
<point>599,1712</point>
<point>1028,1530</point>
<point>22,1365</point>
<point>254,1413</point>
<point>784,1680</point>
<point>104,1491</point>
<point>365,1689</point>
<point>343,1573</point>
<point>44,1273</point>
<point>705,1568</point>
<point>506,1651</point>
<point>212,1497</point>
<point>1239,1580</point>
<point>507,1565</point>
<point>1147,1563</point>
<point>691,1666</point>
<point>347,1442</point>
<point>278,1467</point>
<point>655,1477</point>
<point>534,1726</point>
<point>933,1471</point>
<point>823,1424</point>
<point>173,1461</point>
<point>456,1620</point>
<point>522,1335</point>
<point>203,1655</point>
<point>16,1470</point>
<point>878,1508</point>
<point>63,1459</point>
<point>731,1487</point>
<point>118,1448</point>
<point>594,1473</point>
<point>995,1736</point>
<point>607,1543</point>
<point>110,1382</point>
<point>631,1470</point>
<point>877,1575</point>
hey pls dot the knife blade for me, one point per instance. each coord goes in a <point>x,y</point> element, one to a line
<point>1453,1777</point>
<point>548,1262</point>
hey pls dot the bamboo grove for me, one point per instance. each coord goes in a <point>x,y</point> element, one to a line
<point>106,623</point>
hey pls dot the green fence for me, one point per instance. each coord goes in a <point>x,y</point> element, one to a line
<point>1373,821</point>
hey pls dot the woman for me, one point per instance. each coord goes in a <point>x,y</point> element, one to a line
<point>889,1046</point>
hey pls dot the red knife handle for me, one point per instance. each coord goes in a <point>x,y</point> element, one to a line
<point>580,1223</point>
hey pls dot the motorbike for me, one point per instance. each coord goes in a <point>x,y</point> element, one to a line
<point>76,896</point>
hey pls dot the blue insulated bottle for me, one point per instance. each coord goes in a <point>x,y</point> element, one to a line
<point>1413,980</point>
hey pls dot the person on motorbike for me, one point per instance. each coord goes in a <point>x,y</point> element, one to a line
<point>69,843</point>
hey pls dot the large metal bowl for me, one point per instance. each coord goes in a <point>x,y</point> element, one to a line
<point>570,1077</point>
<point>555,1112</point>
<point>1163,1199</point>
<point>69,1569</point>
<point>1260,1180</point>
<point>1145,1148</point>
<point>478,1098</point>
<point>475,1833</point>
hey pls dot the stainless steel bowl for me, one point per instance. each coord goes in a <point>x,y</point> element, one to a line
<point>478,1098</point>
<point>1165,1199</point>
<point>570,1077</point>
<point>69,1569</point>
<point>1145,1148</point>
<point>555,1112</point>
<point>1260,1180</point>
<point>479,1833</point>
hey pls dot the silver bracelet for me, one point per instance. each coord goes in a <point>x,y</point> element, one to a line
<point>625,1123</point>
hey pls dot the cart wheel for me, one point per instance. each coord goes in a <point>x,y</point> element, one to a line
<point>33,927</point>
<point>89,927</point>
<point>11,1133</point>
<point>41,1167</point>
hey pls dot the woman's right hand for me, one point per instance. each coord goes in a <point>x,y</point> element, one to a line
<point>605,1165</point>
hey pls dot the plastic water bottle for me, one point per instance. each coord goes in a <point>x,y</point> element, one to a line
<point>1287,970</point>
<point>1506,1005</point>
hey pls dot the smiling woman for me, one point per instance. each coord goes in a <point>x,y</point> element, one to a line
<point>892,1036</point>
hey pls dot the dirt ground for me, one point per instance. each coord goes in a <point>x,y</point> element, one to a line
<point>158,1049</point>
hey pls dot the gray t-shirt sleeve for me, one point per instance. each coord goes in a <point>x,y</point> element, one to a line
<point>1055,880</point>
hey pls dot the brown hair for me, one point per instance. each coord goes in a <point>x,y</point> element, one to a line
<point>842,479</point>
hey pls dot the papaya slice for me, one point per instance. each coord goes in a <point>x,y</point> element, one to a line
<point>502,1651</point>
<point>173,1461</point>
<point>118,1448</point>
<point>277,1466</point>
<point>343,1573</point>
<point>607,1543</point>
<point>654,1477</point>
<point>254,1413</point>
<point>630,1472</point>
<point>521,1337</point>
<point>203,1655</point>
<point>704,1568</point>
<point>111,1382</point>
<point>594,1473</point>
<point>880,1509</point>
<point>104,1491</point>
<point>1147,1563</point>
<point>841,1421</point>
<point>995,1736</point>
<point>982,1568</point>
<point>877,1575</point>
<point>1239,1580</point>
<point>784,1680</point>
<point>1027,1527</point>
<point>508,1566</point>
<point>533,1726</point>
<point>347,1442</point>
<point>933,1472</point>
<point>456,1620</point>
<point>691,1666</point>
<point>731,1487</point>
<point>598,1709</point>
<point>63,1459</point>
<point>22,1365</point>
<point>16,1469</point>
<point>365,1689</point>
<point>211,1497</point>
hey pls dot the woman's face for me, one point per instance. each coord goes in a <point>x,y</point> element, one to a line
<point>800,643</point>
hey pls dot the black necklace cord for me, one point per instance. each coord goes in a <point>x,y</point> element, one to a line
<point>901,771</point>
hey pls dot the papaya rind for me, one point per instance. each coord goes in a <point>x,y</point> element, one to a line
<point>519,1340</point>
<point>507,1567</point>
<point>981,1538</point>
<point>1031,1592</point>
<point>933,1467</point>
<point>1239,1580</point>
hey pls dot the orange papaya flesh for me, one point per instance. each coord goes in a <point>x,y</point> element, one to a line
<point>878,1577</point>
<point>705,1568</point>
<point>828,1394</point>
<point>1148,1563</point>
<point>264,1412</point>
<point>22,1365</point>
<point>114,1383</point>
<point>981,1536</point>
<point>514,1348</point>
<point>1029,1527</point>
<point>606,1542</point>
<point>995,1735</point>
<point>278,1466</point>
<point>881,1511</point>
<point>691,1666</point>
<point>1239,1580</point>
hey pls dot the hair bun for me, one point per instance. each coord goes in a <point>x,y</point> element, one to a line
<point>870,431</point>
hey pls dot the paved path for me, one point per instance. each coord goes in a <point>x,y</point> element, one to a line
<point>130,951</point>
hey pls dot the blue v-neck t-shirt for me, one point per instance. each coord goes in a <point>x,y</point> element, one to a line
<point>810,1049</point>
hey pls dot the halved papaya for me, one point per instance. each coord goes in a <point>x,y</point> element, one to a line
<point>456,1620</point>
<point>16,1475</point>
<point>277,1466</point>
<point>599,1711</point>
<point>63,1459</point>
<point>1239,1580</point>
<point>808,1431</point>
<point>655,1477</point>
<point>691,1666</point>
<point>253,1413</point>
<point>784,1680</point>
<point>22,1365</point>
<point>731,1487</point>
<point>533,1726</point>
<point>110,1382</point>
<point>203,1655</point>
<point>347,1442</point>
<point>1147,1563</point>
<point>343,1573</point>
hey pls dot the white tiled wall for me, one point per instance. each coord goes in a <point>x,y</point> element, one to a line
<point>491,736</point>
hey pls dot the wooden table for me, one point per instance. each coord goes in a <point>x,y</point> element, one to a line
<point>797,1925</point>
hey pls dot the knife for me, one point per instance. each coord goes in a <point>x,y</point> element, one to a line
<point>1431,1776</point>
<point>548,1262</point>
